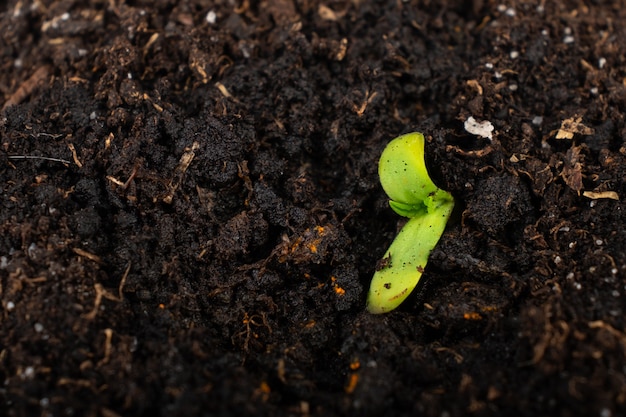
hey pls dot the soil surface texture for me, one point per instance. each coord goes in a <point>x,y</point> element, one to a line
<point>190,211</point>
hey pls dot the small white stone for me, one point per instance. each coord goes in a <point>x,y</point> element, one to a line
<point>483,129</point>
<point>557,260</point>
<point>29,372</point>
<point>489,65</point>
<point>594,91</point>
<point>211,17</point>
<point>38,327</point>
<point>10,305</point>
<point>510,12</point>
<point>246,49</point>
<point>32,250</point>
<point>605,412</point>
<point>537,120</point>
<point>514,54</point>
<point>568,39</point>
<point>599,242</point>
<point>601,62</point>
<point>513,87</point>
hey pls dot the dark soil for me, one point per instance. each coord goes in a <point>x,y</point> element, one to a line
<point>190,212</point>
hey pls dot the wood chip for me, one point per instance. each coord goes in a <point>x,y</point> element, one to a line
<point>612,195</point>
<point>27,87</point>
<point>88,255</point>
<point>475,85</point>
<point>571,126</point>
<point>225,91</point>
<point>75,155</point>
<point>572,170</point>
<point>326,13</point>
<point>179,172</point>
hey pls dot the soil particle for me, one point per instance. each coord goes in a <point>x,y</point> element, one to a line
<point>507,201</point>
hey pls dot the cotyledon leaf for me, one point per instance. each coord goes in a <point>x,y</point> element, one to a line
<point>407,256</point>
<point>403,174</point>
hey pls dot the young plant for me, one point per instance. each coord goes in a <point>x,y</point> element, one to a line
<point>403,175</point>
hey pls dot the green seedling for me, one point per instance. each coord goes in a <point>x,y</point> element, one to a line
<point>404,177</point>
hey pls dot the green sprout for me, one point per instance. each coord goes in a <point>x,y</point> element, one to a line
<point>404,177</point>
